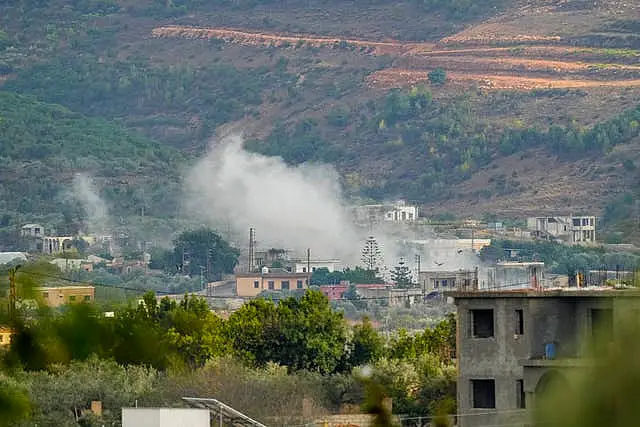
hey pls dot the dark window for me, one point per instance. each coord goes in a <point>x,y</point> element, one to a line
<point>256,284</point>
<point>519,322</point>
<point>87,297</point>
<point>576,222</point>
<point>484,393</point>
<point>522,403</point>
<point>72,298</point>
<point>481,323</point>
<point>444,283</point>
<point>284,285</point>
<point>602,322</point>
<point>299,284</point>
<point>271,284</point>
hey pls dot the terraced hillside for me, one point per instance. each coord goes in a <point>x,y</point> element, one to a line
<point>538,111</point>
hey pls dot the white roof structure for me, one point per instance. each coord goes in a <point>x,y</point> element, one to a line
<point>7,257</point>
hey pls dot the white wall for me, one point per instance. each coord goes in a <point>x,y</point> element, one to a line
<point>165,417</point>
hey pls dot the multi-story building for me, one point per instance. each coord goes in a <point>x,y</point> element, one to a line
<point>571,229</point>
<point>270,279</point>
<point>57,296</point>
<point>512,344</point>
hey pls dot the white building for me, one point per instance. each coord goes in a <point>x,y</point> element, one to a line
<point>571,229</point>
<point>301,266</point>
<point>396,212</point>
<point>401,212</point>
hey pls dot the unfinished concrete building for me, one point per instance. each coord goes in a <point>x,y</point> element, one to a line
<point>512,344</point>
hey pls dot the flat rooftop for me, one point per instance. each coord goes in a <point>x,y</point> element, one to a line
<point>589,292</point>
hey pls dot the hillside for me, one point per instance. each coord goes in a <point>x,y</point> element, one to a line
<point>43,146</point>
<point>538,111</point>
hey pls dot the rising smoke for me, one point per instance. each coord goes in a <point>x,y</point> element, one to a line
<point>96,211</point>
<point>299,207</point>
<point>293,207</point>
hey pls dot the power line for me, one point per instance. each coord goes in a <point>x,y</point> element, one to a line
<point>86,282</point>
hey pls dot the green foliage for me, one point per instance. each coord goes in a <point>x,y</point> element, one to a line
<point>304,144</point>
<point>40,140</point>
<point>199,248</point>
<point>142,95</point>
<point>14,402</point>
<point>62,395</point>
<point>437,76</point>
<point>439,341</point>
<point>401,276</point>
<point>367,345</point>
<point>298,333</point>
<point>461,9</point>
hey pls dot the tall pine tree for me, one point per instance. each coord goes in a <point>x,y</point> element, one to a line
<point>401,276</point>
<point>371,255</point>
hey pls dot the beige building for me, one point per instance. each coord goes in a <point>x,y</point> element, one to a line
<point>251,284</point>
<point>57,296</point>
<point>5,336</point>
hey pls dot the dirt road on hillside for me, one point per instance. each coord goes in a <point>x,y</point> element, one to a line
<point>516,67</point>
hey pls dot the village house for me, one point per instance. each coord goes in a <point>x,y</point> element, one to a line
<point>513,344</point>
<point>57,296</point>
<point>269,279</point>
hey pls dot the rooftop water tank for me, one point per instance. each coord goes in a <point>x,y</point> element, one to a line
<point>265,270</point>
<point>550,351</point>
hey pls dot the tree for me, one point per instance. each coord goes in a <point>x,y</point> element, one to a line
<point>366,346</point>
<point>201,248</point>
<point>14,402</point>
<point>313,335</point>
<point>401,276</point>
<point>302,334</point>
<point>437,76</point>
<point>371,254</point>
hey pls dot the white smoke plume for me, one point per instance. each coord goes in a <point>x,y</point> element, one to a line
<point>300,207</point>
<point>293,207</point>
<point>97,213</point>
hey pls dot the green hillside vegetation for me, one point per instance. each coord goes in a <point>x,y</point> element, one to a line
<point>43,145</point>
<point>427,144</point>
<point>194,100</point>
<point>97,58</point>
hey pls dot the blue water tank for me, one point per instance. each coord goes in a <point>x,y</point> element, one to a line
<point>550,350</point>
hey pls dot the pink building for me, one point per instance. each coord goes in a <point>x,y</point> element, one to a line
<point>336,292</point>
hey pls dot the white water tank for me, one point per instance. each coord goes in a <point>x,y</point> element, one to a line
<point>265,270</point>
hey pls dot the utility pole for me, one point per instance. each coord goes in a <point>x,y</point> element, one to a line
<point>424,289</point>
<point>252,242</point>
<point>12,295</point>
